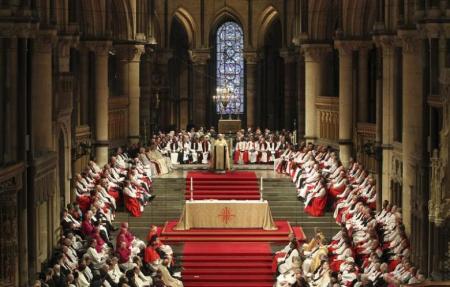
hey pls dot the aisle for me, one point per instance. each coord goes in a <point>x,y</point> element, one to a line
<point>238,185</point>
<point>227,264</point>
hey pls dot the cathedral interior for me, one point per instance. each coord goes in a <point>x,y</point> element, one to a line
<point>80,78</point>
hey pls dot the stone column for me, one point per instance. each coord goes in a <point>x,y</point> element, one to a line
<point>289,88</point>
<point>130,57</point>
<point>363,72</point>
<point>387,44</point>
<point>413,104</point>
<point>83,107</point>
<point>345,99</point>
<point>41,89</point>
<point>251,64</point>
<point>315,55</point>
<point>22,212</point>
<point>101,49</point>
<point>200,59</point>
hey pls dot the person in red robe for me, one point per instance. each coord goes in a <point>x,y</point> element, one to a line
<point>316,201</point>
<point>131,199</point>
<point>87,228</point>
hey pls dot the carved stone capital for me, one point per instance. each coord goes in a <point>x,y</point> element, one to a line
<point>130,53</point>
<point>251,57</point>
<point>315,52</point>
<point>346,48</point>
<point>45,41</point>
<point>65,43</point>
<point>19,30</point>
<point>386,43</point>
<point>430,30</point>
<point>100,48</point>
<point>200,56</point>
<point>410,41</point>
<point>288,55</point>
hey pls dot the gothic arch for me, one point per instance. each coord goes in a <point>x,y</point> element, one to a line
<point>321,14</point>
<point>358,17</point>
<point>268,16</point>
<point>122,20</point>
<point>224,14</point>
<point>186,19</point>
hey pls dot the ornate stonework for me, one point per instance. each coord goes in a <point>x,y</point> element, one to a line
<point>315,52</point>
<point>45,41</point>
<point>439,203</point>
<point>101,48</point>
<point>200,56</point>
<point>130,53</point>
<point>251,57</point>
<point>410,41</point>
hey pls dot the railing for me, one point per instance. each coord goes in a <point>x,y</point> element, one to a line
<point>328,118</point>
<point>118,120</point>
<point>10,185</point>
<point>64,98</point>
<point>365,136</point>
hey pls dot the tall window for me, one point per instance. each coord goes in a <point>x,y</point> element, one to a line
<point>230,64</point>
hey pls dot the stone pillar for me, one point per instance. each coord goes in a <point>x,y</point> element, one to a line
<point>345,99</point>
<point>200,59</point>
<point>83,107</point>
<point>101,49</point>
<point>413,105</point>
<point>41,89</point>
<point>251,64</point>
<point>289,88</point>
<point>387,44</point>
<point>130,57</point>
<point>363,72</point>
<point>22,212</point>
<point>315,55</point>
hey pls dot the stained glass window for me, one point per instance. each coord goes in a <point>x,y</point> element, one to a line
<point>230,64</point>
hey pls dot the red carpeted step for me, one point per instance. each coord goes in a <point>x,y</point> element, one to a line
<point>224,197</point>
<point>221,182</point>
<point>235,258</point>
<point>226,265</point>
<point>225,192</point>
<point>229,271</point>
<point>227,284</point>
<point>221,187</point>
<point>227,278</point>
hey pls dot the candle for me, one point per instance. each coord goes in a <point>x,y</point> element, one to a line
<point>192,189</point>
<point>261,184</point>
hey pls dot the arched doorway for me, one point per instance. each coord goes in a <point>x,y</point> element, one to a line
<point>270,103</point>
<point>61,169</point>
<point>178,112</point>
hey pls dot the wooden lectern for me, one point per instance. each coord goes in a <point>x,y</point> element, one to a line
<point>229,126</point>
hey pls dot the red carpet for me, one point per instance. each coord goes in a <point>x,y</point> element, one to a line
<point>168,234</point>
<point>227,264</point>
<point>239,185</point>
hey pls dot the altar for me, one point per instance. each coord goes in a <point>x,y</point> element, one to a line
<point>226,214</point>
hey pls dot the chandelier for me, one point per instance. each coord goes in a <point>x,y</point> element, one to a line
<point>224,96</point>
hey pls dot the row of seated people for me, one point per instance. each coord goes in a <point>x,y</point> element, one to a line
<point>194,147</point>
<point>121,179</point>
<point>87,255</point>
<point>321,179</point>
<point>371,249</point>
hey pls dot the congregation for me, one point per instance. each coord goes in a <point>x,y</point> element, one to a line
<point>250,146</point>
<point>86,254</point>
<point>371,249</point>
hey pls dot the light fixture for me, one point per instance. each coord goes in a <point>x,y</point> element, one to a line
<point>224,96</point>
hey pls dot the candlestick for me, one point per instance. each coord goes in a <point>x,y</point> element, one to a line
<point>192,189</point>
